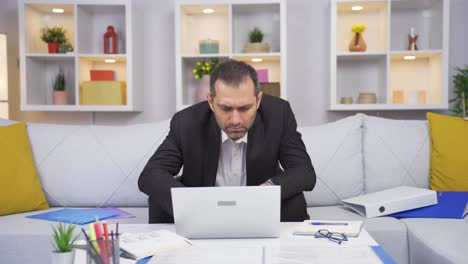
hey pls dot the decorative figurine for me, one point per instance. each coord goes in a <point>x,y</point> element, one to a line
<point>412,38</point>
<point>110,41</point>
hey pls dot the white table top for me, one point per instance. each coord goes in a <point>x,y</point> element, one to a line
<point>288,248</point>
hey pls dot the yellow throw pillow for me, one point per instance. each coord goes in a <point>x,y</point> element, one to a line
<point>449,152</point>
<point>20,189</point>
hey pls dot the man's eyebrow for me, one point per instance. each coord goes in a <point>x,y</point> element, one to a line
<point>230,107</point>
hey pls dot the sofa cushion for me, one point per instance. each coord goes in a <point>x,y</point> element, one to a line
<point>94,165</point>
<point>336,154</point>
<point>449,152</point>
<point>396,152</point>
<point>20,189</point>
<point>433,240</point>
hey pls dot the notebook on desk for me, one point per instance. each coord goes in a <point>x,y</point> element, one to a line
<point>227,212</point>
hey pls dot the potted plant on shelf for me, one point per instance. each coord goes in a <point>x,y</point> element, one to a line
<point>59,96</point>
<point>256,45</point>
<point>202,71</point>
<point>460,85</point>
<point>64,242</point>
<point>357,42</point>
<point>54,36</point>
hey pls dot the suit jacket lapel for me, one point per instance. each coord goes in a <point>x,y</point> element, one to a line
<point>255,142</point>
<point>211,152</point>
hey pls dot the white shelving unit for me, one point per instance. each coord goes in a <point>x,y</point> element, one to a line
<point>230,24</point>
<point>85,22</point>
<point>400,84</point>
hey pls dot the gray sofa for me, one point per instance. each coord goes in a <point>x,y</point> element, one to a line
<point>352,156</point>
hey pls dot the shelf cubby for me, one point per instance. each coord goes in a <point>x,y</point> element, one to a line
<point>43,70</point>
<point>418,80</point>
<point>426,17</point>
<point>367,74</point>
<point>37,16</point>
<point>374,15</point>
<point>246,17</point>
<point>92,25</point>
<point>195,25</point>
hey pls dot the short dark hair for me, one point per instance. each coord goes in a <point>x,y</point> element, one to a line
<point>233,72</point>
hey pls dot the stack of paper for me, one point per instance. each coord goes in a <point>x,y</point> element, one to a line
<point>142,245</point>
<point>310,227</point>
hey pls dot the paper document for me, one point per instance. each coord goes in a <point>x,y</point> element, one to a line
<point>213,255</point>
<point>310,227</point>
<point>142,245</point>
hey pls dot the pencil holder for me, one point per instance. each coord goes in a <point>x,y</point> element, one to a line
<point>103,251</point>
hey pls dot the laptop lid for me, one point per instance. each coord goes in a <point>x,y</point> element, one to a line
<point>227,212</point>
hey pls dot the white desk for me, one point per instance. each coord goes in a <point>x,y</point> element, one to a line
<point>286,249</point>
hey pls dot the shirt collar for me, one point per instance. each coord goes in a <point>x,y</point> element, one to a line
<point>225,137</point>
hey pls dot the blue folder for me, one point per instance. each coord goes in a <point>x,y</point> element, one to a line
<point>74,216</point>
<point>449,205</point>
<point>383,256</point>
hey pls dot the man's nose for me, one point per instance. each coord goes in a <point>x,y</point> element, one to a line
<point>235,118</point>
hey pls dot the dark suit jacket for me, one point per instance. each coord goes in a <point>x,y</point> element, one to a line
<point>194,142</point>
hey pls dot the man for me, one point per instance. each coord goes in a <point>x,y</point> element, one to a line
<point>236,138</point>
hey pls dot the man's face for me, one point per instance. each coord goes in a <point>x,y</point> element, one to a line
<point>235,107</point>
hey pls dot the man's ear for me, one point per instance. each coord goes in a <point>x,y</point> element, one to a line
<point>209,98</point>
<point>259,98</point>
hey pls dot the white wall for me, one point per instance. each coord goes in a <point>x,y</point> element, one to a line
<point>308,64</point>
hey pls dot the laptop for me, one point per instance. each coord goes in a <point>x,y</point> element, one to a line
<point>227,212</point>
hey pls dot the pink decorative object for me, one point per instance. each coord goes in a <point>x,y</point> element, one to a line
<point>262,75</point>
<point>203,88</point>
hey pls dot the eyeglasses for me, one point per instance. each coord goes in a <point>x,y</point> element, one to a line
<point>333,236</point>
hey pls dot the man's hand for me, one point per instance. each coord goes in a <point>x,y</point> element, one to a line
<point>266,184</point>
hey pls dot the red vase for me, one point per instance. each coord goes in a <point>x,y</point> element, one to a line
<point>53,47</point>
<point>203,88</point>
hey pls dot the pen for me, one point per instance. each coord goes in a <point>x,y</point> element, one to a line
<point>328,223</point>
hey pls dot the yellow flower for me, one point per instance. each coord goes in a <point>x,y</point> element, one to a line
<point>206,64</point>
<point>199,64</point>
<point>197,76</point>
<point>358,28</point>
<point>194,70</point>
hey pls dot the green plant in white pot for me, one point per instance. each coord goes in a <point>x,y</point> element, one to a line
<point>64,241</point>
<point>60,95</point>
<point>256,45</point>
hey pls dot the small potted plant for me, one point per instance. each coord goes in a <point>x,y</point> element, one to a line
<point>357,43</point>
<point>54,36</point>
<point>460,86</point>
<point>256,45</point>
<point>59,96</point>
<point>64,242</point>
<point>202,71</point>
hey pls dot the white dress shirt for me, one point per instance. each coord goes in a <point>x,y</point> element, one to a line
<point>231,164</point>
